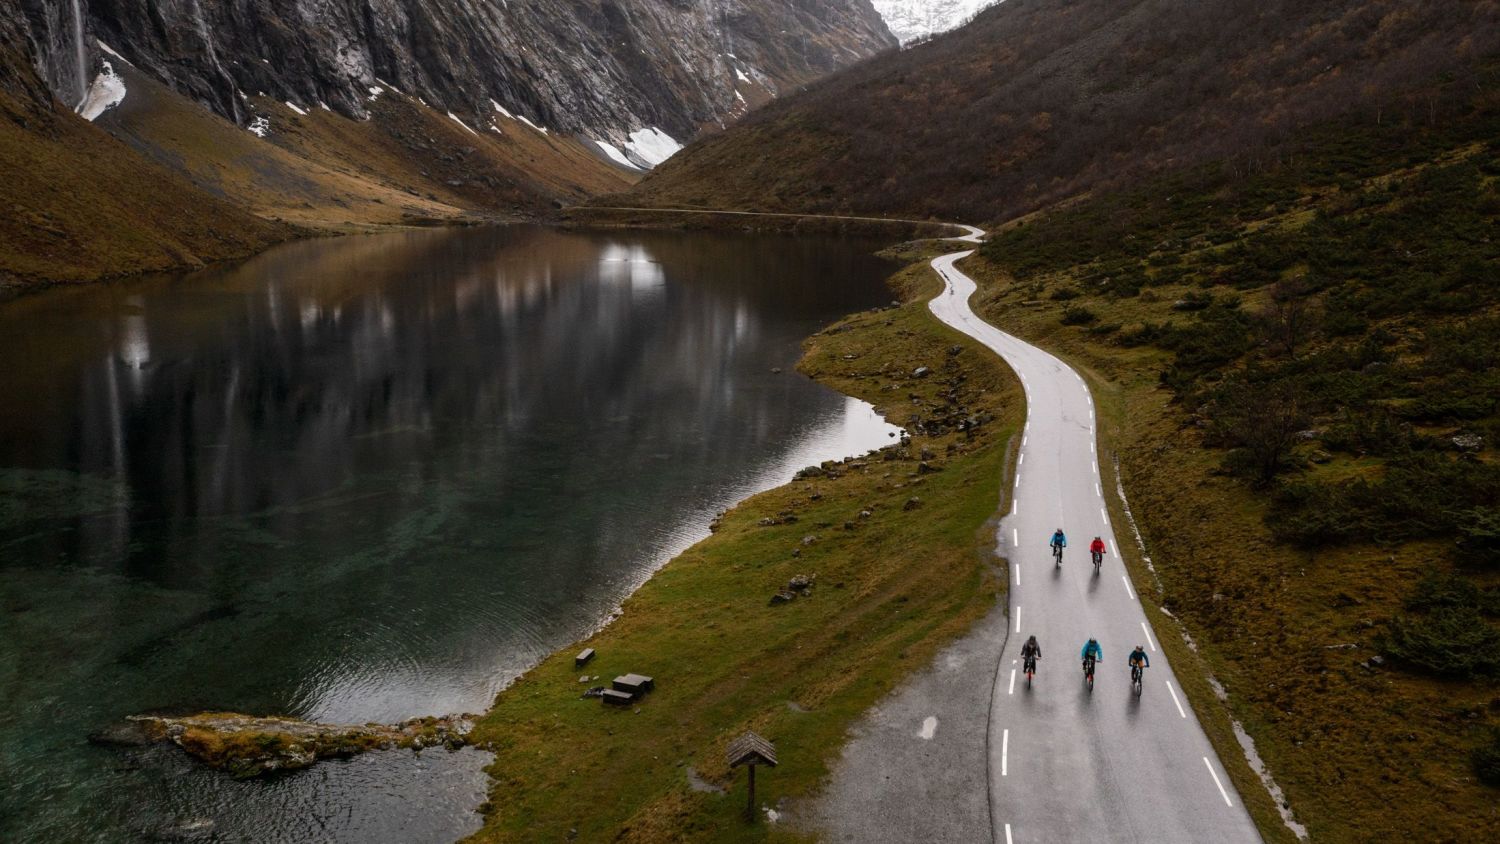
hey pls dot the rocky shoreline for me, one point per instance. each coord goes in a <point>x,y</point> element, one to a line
<point>247,746</point>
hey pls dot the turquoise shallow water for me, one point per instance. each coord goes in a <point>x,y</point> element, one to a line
<point>369,478</point>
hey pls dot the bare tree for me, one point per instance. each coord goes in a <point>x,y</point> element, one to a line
<point>1290,318</point>
<point>1260,422</point>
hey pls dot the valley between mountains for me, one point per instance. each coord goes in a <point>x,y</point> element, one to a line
<point>1215,280</point>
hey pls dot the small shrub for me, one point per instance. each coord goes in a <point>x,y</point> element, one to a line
<point>1259,423</point>
<point>1063,294</point>
<point>1438,589</point>
<point>1449,641</point>
<point>1479,537</point>
<point>1486,760</point>
<point>1078,315</point>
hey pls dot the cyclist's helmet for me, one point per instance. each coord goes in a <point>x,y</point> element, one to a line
<point>1093,641</point>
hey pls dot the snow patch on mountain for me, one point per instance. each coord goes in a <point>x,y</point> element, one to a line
<point>615,154</point>
<point>911,20</point>
<point>106,92</point>
<point>651,146</point>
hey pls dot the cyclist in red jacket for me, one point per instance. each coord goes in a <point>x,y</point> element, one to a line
<point>1096,550</point>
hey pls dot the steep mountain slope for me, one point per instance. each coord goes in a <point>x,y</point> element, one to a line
<point>1039,100</point>
<point>79,204</point>
<point>341,114</point>
<point>607,69</point>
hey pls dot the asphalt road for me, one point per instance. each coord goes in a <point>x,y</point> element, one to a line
<point>1066,763</point>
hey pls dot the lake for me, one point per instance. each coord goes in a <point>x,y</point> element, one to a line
<point>368,478</point>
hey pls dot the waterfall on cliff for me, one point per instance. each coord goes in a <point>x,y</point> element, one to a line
<point>80,58</point>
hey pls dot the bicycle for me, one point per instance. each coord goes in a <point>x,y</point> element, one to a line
<point>1136,673</point>
<point>1030,668</point>
<point>1057,554</point>
<point>1098,560</point>
<point>1088,671</point>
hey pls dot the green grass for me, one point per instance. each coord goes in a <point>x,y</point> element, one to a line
<point>891,589</point>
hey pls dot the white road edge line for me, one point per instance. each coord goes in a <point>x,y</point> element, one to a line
<point>1018,574</point>
<point>1227,801</point>
<point>1147,631</point>
<point>1007,835</point>
<point>1012,682</point>
<point>1018,619</point>
<point>1103,515</point>
<point>1022,461</point>
<point>1004,753</point>
<point>1015,539</point>
<point>1180,710</point>
<point>1128,590</point>
<point>1013,505</point>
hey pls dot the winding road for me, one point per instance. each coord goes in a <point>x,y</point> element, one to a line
<point>965,752</point>
<point>1067,763</point>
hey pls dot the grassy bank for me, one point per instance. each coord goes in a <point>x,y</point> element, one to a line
<point>1297,371</point>
<point>899,559</point>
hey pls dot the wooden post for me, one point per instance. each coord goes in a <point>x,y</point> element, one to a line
<point>750,750</point>
<point>750,807</point>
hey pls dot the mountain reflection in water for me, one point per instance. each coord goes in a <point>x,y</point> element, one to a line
<point>369,478</point>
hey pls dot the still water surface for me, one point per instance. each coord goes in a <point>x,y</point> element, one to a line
<point>369,478</point>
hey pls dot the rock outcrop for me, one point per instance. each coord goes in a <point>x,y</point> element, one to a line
<point>247,746</point>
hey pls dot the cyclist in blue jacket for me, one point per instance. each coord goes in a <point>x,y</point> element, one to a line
<point>1091,648</point>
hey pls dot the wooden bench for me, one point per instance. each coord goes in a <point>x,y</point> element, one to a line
<point>635,684</point>
<point>614,697</point>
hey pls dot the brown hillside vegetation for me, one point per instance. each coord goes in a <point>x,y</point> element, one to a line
<point>1299,371</point>
<point>1041,100</point>
<point>407,163</point>
<point>79,204</point>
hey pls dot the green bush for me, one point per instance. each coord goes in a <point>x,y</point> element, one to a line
<point>1486,759</point>
<point>1479,537</point>
<point>1449,641</point>
<point>1078,315</point>
<point>1420,495</point>
<point>1439,589</point>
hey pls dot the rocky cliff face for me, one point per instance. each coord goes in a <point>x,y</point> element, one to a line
<point>601,68</point>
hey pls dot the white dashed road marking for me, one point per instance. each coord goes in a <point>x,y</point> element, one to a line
<point>929,728</point>
<point>1128,590</point>
<point>1227,801</point>
<point>1180,710</point>
<point>1147,631</point>
<point>1005,753</point>
<point>1012,682</point>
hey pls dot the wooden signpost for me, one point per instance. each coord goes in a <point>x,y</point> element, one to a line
<point>751,750</point>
